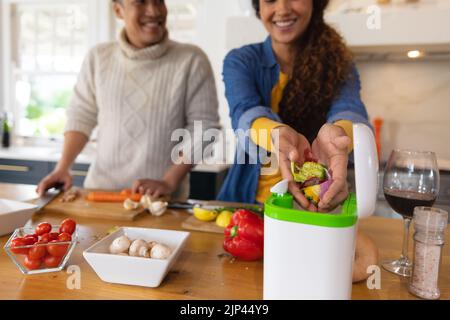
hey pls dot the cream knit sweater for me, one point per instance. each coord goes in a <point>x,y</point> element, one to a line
<point>137,98</point>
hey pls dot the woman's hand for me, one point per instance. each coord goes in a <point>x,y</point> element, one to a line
<point>153,188</point>
<point>292,147</point>
<point>331,148</point>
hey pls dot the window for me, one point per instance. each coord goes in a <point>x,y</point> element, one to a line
<point>52,41</point>
<point>47,42</point>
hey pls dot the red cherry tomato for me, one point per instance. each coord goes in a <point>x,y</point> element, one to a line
<point>19,242</point>
<point>45,238</point>
<point>64,237</point>
<point>32,264</point>
<point>57,250</point>
<point>31,239</point>
<point>67,226</point>
<point>43,227</point>
<point>37,252</point>
<point>52,262</point>
<point>53,235</point>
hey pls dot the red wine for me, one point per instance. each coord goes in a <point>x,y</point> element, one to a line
<point>404,202</point>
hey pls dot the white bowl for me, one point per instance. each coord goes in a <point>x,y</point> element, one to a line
<point>136,271</point>
<point>14,214</point>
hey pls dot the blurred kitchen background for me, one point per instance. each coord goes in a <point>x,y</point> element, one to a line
<point>402,50</point>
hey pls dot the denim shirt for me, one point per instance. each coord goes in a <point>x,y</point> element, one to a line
<point>249,74</point>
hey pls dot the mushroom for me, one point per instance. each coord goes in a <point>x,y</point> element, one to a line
<point>120,245</point>
<point>130,205</point>
<point>151,244</point>
<point>139,248</point>
<point>160,251</point>
<point>158,208</point>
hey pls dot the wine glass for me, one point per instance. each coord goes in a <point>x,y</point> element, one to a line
<point>411,179</point>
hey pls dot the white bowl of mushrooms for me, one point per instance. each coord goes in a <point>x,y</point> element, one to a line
<point>136,256</point>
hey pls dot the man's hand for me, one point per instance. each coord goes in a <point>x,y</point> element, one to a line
<point>54,178</point>
<point>153,188</point>
<point>291,147</point>
<point>331,149</point>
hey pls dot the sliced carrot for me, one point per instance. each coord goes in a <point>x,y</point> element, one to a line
<point>105,196</point>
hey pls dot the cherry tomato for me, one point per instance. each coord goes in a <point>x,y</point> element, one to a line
<point>32,264</point>
<point>57,250</point>
<point>53,235</point>
<point>43,227</point>
<point>31,239</point>
<point>64,237</point>
<point>37,252</point>
<point>19,242</point>
<point>52,262</point>
<point>45,238</point>
<point>67,226</point>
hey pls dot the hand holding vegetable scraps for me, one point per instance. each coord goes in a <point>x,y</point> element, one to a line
<point>331,149</point>
<point>293,147</point>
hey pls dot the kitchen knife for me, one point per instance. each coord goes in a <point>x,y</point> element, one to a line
<point>190,204</point>
<point>49,195</point>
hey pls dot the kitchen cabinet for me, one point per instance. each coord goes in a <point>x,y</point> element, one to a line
<point>22,171</point>
<point>205,183</point>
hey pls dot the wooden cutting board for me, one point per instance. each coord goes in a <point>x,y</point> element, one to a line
<point>192,223</point>
<point>83,208</point>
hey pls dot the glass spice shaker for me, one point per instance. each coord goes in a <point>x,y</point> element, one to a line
<point>429,238</point>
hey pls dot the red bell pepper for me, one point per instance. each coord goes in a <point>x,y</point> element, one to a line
<point>244,236</point>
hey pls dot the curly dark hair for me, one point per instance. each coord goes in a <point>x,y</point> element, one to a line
<point>322,66</point>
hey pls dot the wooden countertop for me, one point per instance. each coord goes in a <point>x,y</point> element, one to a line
<point>201,272</point>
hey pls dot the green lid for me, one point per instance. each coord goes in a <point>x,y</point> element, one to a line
<point>280,207</point>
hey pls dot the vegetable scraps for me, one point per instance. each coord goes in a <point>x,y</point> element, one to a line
<point>313,178</point>
<point>244,236</point>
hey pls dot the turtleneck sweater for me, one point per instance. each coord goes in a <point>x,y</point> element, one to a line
<point>137,98</point>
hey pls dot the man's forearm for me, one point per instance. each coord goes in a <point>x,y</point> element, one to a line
<point>176,174</point>
<point>74,142</point>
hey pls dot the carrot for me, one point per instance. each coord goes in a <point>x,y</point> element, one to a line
<point>126,192</point>
<point>105,196</point>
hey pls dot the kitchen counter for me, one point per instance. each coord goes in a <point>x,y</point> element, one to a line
<point>202,271</point>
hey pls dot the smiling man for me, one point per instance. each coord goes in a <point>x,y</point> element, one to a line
<point>137,91</point>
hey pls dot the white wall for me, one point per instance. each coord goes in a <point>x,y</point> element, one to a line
<point>217,34</point>
<point>414,100</point>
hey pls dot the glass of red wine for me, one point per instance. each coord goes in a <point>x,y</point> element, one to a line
<point>411,179</point>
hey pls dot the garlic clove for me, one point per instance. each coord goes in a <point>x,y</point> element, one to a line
<point>160,251</point>
<point>146,201</point>
<point>130,205</point>
<point>158,208</point>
